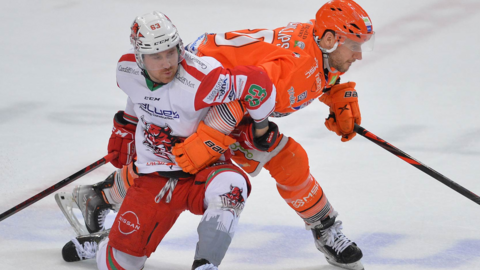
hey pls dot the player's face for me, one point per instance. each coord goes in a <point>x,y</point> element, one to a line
<point>162,66</point>
<point>342,58</point>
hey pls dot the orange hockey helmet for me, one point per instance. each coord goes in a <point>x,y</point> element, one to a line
<point>351,24</point>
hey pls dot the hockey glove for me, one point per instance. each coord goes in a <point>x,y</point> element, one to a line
<point>344,110</point>
<point>266,143</point>
<point>201,149</point>
<point>122,140</point>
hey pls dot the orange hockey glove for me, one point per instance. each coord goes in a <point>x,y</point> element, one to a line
<point>201,149</point>
<point>344,110</point>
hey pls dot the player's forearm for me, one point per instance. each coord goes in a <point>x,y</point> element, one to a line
<point>260,131</point>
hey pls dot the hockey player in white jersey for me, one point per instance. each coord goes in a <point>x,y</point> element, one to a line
<point>174,99</point>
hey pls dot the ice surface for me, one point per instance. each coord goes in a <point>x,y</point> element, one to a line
<point>419,90</point>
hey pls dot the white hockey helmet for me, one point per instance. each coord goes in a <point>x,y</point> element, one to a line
<point>152,33</point>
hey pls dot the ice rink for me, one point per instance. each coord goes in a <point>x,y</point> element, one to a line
<point>418,89</point>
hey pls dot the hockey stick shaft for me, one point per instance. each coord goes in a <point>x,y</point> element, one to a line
<point>417,164</point>
<point>106,159</point>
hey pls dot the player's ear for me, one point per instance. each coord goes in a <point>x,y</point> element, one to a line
<point>328,40</point>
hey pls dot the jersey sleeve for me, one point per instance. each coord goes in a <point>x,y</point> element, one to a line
<point>124,68</point>
<point>129,113</point>
<point>294,73</point>
<point>225,117</point>
<point>249,84</point>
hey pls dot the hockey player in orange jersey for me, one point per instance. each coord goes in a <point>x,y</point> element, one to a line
<point>304,61</point>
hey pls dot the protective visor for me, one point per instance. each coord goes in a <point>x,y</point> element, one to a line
<point>356,42</point>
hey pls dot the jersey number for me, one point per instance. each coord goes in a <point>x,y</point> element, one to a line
<point>255,95</point>
<point>237,39</point>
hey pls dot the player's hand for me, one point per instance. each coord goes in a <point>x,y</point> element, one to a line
<point>267,141</point>
<point>122,141</point>
<point>201,149</point>
<point>344,110</point>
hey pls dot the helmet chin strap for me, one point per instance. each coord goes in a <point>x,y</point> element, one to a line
<point>326,64</point>
<point>326,53</point>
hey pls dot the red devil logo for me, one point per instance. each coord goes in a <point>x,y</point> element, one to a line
<point>135,32</point>
<point>235,195</point>
<point>233,201</point>
<point>159,139</point>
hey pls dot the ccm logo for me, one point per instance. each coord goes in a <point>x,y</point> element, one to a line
<point>351,94</point>
<point>120,133</point>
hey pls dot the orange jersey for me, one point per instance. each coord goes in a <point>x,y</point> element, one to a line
<point>289,55</point>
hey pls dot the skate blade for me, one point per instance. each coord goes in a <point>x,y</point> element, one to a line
<point>350,266</point>
<point>66,204</point>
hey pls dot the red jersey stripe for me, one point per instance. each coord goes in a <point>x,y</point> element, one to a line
<point>127,58</point>
<point>192,71</point>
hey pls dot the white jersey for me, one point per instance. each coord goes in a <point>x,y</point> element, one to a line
<point>165,115</point>
<point>170,113</point>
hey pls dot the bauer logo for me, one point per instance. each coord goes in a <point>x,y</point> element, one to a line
<point>128,223</point>
<point>349,94</point>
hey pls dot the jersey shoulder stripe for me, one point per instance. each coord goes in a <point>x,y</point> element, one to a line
<point>198,75</point>
<point>198,67</point>
<point>129,57</point>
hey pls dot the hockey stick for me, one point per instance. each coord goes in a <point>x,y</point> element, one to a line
<point>106,159</point>
<point>417,164</point>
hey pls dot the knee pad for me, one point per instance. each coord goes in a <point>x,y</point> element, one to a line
<point>226,191</point>
<point>225,198</point>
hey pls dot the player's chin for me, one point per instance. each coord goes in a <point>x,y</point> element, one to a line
<point>166,78</point>
<point>170,77</point>
<point>344,68</point>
